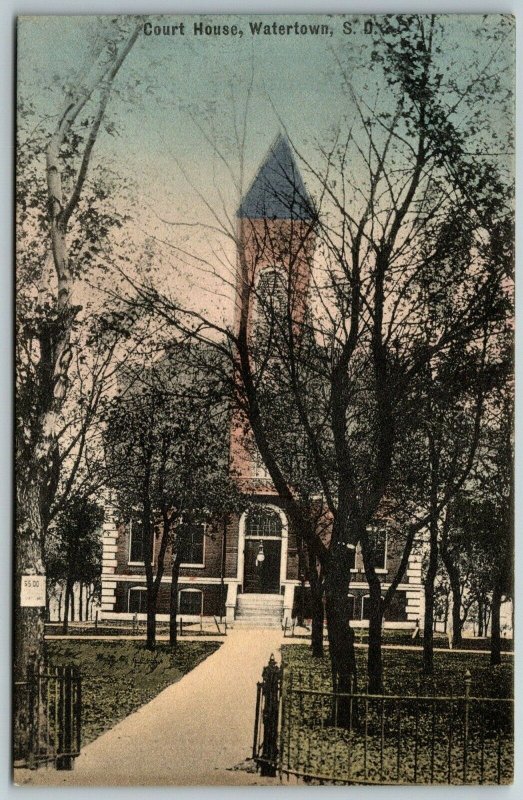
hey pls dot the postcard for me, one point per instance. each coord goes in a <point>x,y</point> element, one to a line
<point>264,400</point>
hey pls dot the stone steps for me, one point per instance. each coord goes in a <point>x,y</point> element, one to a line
<point>259,611</point>
<point>256,622</point>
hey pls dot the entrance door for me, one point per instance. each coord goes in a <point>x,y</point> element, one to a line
<point>262,576</point>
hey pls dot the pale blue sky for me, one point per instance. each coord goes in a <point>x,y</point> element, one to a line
<point>295,77</point>
<point>165,79</point>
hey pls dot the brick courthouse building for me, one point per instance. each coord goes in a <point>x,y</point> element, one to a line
<point>249,566</point>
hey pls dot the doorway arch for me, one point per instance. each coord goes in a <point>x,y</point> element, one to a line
<point>264,533</point>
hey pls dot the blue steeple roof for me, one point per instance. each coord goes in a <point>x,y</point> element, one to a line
<point>277,191</point>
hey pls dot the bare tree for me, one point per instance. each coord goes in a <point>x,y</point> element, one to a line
<point>394,194</point>
<point>47,318</point>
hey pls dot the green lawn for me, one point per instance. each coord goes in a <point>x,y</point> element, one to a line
<point>119,677</point>
<point>401,671</point>
<point>403,636</point>
<point>399,740</point>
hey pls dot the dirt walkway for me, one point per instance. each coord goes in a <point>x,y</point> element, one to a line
<point>192,733</point>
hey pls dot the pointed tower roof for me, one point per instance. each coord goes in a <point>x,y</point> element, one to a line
<point>277,191</point>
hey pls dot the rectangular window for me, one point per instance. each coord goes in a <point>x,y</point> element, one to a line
<point>191,602</point>
<point>192,544</point>
<point>136,542</point>
<point>137,600</point>
<point>365,607</point>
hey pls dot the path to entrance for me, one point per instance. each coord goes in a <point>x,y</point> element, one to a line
<point>192,733</point>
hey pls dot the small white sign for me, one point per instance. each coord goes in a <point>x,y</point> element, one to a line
<point>32,593</point>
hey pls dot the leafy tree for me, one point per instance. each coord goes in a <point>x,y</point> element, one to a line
<point>166,443</point>
<point>477,547</point>
<point>74,548</point>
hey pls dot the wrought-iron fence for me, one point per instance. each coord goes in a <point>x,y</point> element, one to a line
<point>47,707</point>
<point>359,738</point>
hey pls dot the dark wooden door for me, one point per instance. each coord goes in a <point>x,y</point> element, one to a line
<point>264,576</point>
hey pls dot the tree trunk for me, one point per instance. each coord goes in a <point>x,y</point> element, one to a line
<point>29,621</point>
<point>60,595</point>
<point>430,579</point>
<point>455,588</point>
<point>317,615</point>
<point>487,618</point>
<point>457,622</point>
<point>151,620</point>
<point>340,634</point>
<point>173,606</point>
<point>495,636</point>
<point>374,663</point>
<point>81,603</point>
<point>480,618</point>
<point>67,605</point>
<point>73,604</point>
<point>317,607</point>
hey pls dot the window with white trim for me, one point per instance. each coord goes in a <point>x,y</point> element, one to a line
<point>136,541</point>
<point>190,602</point>
<point>193,538</point>
<point>272,293</point>
<point>137,600</point>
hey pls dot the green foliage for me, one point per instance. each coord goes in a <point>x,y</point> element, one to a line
<point>166,442</point>
<point>74,545</point>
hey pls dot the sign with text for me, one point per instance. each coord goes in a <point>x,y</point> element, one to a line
<point>32,592</point>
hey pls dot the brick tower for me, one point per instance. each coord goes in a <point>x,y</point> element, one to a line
<point>276,241</point>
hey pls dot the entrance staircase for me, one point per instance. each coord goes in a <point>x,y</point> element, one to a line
<point>259,611</point>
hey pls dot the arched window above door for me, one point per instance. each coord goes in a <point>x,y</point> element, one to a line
<point>263,522</point>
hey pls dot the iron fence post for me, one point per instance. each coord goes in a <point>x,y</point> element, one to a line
<point>468,680</point>
<point>78,709</point>
<point>271,685</point>
<point>256,721</point>
<point>65,758</point>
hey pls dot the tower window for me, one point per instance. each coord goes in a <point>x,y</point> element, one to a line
<point>258,465</point>
<point>272,291</point>
<point>271,305</point>
<point>365,607</point>
<point>351,605</point>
